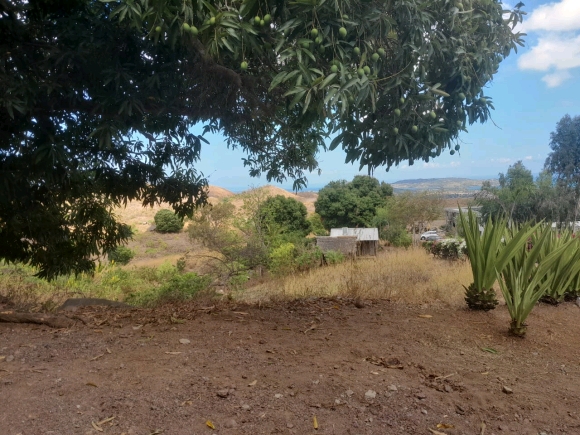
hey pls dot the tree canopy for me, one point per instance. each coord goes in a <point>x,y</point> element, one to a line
<point>564,160</point>
<point>99,99</point>
<point>284,219</point>
<point>351,204</point>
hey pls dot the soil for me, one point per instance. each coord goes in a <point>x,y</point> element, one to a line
<point>383,368</point>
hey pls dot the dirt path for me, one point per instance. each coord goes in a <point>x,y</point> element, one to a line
<point>252,370</point>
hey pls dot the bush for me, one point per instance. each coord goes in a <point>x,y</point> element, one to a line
<point>308,259</point>
<point>167,222</point>
<point>397,236</point>
<point>282,259</point>
<point>179,287</point>
<point>121,255</point>
<point>448,249</point>
<point>334,257</point>
<point>317,226</point>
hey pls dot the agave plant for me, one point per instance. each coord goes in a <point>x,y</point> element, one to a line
<point>565,273</point>
<point>529,273</point>
<point>489,251</point>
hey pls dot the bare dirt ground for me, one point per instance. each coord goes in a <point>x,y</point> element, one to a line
<point>384,368</point>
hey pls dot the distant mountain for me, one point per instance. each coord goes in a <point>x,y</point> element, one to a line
<point>451,185</point>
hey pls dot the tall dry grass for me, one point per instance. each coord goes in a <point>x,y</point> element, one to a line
<point>407,276</point>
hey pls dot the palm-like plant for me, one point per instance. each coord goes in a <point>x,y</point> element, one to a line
<point>529,273</point>
<point>565,272</point>
<point>489,251</point>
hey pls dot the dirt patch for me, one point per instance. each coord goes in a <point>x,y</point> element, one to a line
<point>382,369</point>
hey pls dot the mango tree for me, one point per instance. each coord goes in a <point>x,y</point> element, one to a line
<point>99,99</point>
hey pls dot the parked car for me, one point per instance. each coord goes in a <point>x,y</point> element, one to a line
<point>430,235</point>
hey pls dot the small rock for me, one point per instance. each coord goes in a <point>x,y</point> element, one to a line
<point>246,407</point>
<point>421,396</point>
<point>448,388</point>
<point>289,425</point>
<point>424,411</point>
<point>184,341</point>
<point>278,396</point>
<point>503,427</point>
<point>578,301</point>
<point>392,388</point>
<point>349,393</point>
<point>461,353</point>
<point>507,390</point>
<point>337,401</point>
<point>230,423</point>
<point>223,393</point>
<point>10,358</point>
<point>370,395</point>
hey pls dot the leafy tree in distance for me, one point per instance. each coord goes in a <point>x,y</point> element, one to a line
<point>351,204</point>
<point>564,160</point>
<point>284,219</point>
<point>83,131</point>
<point>167,222</point>
<point>514,197</point>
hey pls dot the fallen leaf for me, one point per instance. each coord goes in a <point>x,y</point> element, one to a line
<point>96,427</point>
<point>2,358</point>
<point>241,313</point>
<point>436,432</point>
<point>176,320</point>
<point>489,349</point>
<point>187,402</point>
<point>135,328</point>
<point>425,316</point>
<point>254,382</point>
<point>374,373</point>
<point>97,357</point>
<point>172,353</point>
<point>91,384</point>
<point>482,428</point>
<point>106,420</point>
<point>184,341</point>
<point>485,373</point>
<point>315,422</point>
<point>108,350</point>
<point>209,424</point>
<point>445,426</point>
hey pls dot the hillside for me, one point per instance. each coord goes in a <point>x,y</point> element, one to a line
<point>448,186</point>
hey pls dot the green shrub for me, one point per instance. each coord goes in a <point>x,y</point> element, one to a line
<point>397,236</point>
<point>316,225</point>
<point>179,287</point>
<point>448,249</point>
<point>121,255</point>
<point>167,222</point>
<point>308,259</point>
<point>282,259</point>
<point>334,257</point>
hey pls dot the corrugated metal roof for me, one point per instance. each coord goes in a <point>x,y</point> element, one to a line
<point>361,233</point>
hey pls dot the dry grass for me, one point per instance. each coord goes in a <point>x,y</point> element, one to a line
<point>407,276</point>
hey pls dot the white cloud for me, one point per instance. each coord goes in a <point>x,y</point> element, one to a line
<point>528,158</point>
<point>559,17</point>
<point>553,51</point>
<point>502,160</point>
<point>557,78</point>
<point>557,50</point>
<point>454,164</point>
<point>431,165</point>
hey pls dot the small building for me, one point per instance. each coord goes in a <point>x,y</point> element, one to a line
<point>351,241</point>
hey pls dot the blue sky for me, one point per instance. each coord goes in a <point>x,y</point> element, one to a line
<point>531,92</point>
